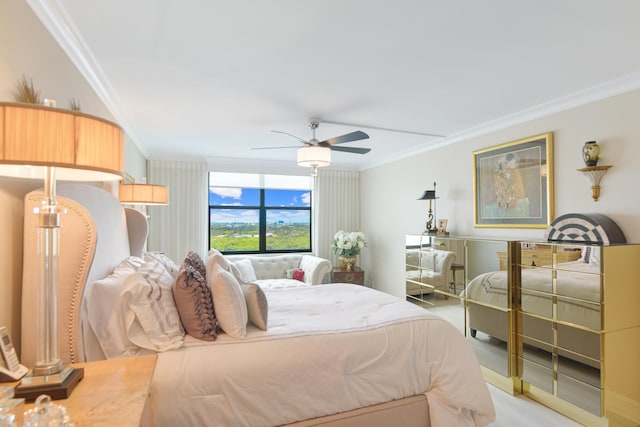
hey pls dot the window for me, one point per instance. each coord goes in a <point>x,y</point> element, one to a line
<point>250,213</point>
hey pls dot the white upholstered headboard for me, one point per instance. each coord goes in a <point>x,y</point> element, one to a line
<point>96,234</point>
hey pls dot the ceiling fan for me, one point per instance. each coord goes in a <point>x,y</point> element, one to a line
<point>330,143</point>
<point>315,154</point>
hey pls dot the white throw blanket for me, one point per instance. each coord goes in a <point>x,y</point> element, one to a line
<point>328,349</point>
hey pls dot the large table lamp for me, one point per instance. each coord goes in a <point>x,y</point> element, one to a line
<point>38,142</point>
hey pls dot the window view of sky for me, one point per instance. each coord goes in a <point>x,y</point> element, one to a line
<point>223,196</point>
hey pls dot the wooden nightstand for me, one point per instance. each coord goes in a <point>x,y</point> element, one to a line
<point>341,276</point>
<point>112,393</point>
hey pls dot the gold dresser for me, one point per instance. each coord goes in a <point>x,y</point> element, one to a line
<point>444,274</point>
<point>552,320</point>
<point>578,329</point>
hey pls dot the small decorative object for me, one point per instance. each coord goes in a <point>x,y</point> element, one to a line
<point>26,92</point>
<point>442,227</point>
<point>347,246</point>
<point>74,104</point>
<point>46,413</point>
<point>591,153</point>
<point>347,262</point>
<point>593,172</point>
<point>430,195</point>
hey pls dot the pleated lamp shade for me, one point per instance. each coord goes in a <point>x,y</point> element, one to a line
<point>144,194</point>
<point>80,147</point>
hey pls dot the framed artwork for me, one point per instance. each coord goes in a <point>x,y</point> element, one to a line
<point>513,183</point>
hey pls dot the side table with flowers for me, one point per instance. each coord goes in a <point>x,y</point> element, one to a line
<point>347,245</point>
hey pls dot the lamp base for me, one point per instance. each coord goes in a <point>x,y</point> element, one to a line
<point>58,386</point>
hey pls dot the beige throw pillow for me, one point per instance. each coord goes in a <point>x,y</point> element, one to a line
<point>257,306</point>
<point>228,299</point>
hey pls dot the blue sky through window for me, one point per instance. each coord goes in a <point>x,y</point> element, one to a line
<point>227,196</point>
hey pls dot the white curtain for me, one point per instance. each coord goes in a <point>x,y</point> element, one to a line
<point>336,207</point>
<point>181,226</point>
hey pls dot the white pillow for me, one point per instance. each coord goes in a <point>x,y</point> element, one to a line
<point>245,268</point>
<point>163,259</point>
<point>257,306</point>
<point>228,299</point>
<point>101,300</point>
<point>151,319</point>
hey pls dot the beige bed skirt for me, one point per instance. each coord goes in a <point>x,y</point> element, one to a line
<point>408,412</point>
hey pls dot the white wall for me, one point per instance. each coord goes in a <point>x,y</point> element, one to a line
<point>26,48</point>
<point>390,209</point>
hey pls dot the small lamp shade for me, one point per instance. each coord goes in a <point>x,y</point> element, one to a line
<point>144,194</point>
<point>311,155</point>
<point>428,195</point>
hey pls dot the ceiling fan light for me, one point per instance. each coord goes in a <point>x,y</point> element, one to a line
<point>314,156</point>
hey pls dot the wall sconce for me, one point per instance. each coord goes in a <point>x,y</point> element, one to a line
<point>430,195</point>
<point>593,172</point>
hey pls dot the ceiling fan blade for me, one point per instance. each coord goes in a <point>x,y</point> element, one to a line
<point>349,137</point>
<point>356,150</point>
<point>272,148</point>
<point>292,136</point>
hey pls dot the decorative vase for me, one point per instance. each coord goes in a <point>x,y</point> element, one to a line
<point>591,153</point>
<point>346,262</point>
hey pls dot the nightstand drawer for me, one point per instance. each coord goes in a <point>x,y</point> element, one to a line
<point>340,276</point>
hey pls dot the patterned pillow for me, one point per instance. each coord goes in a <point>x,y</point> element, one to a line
<point>194,301</point>
<point>193,259</point>
<point>257,306</point>
<point>295,273</point>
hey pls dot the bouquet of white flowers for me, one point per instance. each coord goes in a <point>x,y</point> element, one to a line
<point>348,244</point>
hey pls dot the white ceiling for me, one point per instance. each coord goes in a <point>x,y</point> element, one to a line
<point>210,79</point>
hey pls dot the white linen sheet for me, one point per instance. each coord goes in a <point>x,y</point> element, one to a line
<point>328,349</point>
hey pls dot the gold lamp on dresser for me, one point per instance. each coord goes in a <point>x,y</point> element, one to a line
<point>38,142</point>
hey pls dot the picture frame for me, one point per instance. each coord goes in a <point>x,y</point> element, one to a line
<point>442,227</point>
<point>513,183</point>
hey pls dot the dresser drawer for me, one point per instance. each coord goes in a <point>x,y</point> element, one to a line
<point>536,375</point>
<point>579,341</point>
<point>580,394</point>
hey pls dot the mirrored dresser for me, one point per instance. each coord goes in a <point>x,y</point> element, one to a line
<point>557,321</point>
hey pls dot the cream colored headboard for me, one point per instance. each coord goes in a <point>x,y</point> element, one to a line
<point>94,237</point>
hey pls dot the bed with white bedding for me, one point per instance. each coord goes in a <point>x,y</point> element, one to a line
<point>341,353</point>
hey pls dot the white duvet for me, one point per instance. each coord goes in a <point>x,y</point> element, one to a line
<point>328,349</point>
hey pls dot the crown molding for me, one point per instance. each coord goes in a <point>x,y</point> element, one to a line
<point>625,84</point>
<point>56,20</point>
